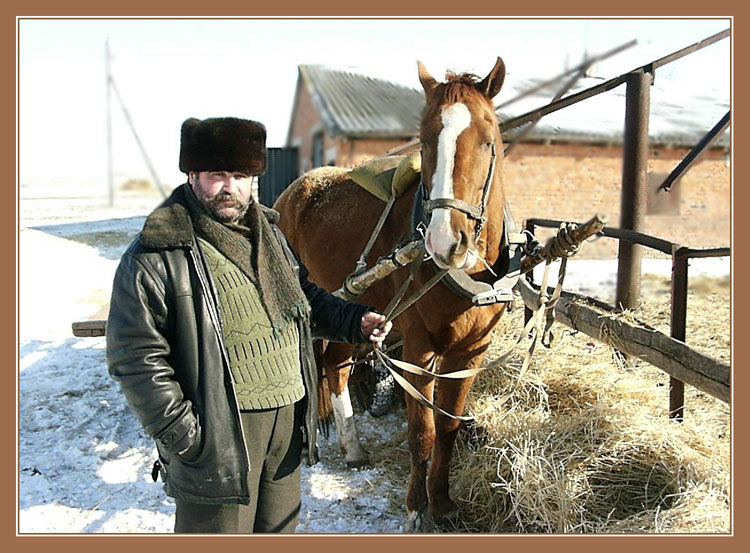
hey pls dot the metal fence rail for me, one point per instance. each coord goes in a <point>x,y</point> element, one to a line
<point>679,286</point>
<point>608,85</point>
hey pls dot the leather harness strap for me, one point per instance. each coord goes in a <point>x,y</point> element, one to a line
<point>534,329</point>
<point>462,284</point>
<point>475,212</point>
<point>472,211</point>
<point>457,281</point>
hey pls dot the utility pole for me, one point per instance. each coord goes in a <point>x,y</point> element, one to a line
<point>112,87</point>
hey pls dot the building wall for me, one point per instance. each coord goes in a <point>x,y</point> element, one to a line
<point>573,182</point>
<point>355,152</point>
<point>305,122</point>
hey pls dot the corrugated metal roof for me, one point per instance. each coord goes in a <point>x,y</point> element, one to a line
<point>356,105</point>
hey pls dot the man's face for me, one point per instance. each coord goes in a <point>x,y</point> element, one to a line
<point>226,195</point>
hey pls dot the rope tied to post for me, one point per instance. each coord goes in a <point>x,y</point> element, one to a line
<point>563,244</point>
<point>560,246</point>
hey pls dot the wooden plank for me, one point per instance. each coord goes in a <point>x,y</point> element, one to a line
<point>86,329</point>
<point>602,322</point>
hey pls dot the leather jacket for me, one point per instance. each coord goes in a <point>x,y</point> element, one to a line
<point>165,348</point>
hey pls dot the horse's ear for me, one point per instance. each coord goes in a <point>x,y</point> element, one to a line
<point>493,82</point>
<point>428,82</point>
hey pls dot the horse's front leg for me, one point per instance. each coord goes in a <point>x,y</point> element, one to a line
<point>421,438</point>
<point>336,363</point>
<point>450,396</point>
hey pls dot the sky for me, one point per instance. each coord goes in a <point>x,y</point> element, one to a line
<point>167,70</point>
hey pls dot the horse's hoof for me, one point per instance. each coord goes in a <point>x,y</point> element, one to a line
<point>359,464</point>
<point>419,522</point>
<point>448,520</point>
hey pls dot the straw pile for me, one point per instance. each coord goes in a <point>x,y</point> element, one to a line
<point>585,444</point>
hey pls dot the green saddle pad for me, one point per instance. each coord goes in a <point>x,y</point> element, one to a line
<point>388,176</point>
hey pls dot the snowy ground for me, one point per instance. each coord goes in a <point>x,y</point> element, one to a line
<point>84,463</point>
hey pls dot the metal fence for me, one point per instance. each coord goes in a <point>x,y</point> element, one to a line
<point>281,170</point>
<point>679,286</point>
<point>634,195</point>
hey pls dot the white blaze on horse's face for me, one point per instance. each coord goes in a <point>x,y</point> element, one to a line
<point>441,242</point>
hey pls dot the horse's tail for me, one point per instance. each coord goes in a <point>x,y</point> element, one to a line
<point>325,408</point>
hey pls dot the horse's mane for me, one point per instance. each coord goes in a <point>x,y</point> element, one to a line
<point>466,78</point>
<point>458,87</point>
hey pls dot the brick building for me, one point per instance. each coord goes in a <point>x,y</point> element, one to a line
<point>569,167</point>
<point>341,118</point>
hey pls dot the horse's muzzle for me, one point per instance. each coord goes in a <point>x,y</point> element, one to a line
<point>456,255</point>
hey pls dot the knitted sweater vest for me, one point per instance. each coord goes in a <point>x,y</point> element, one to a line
<point>266,368</point>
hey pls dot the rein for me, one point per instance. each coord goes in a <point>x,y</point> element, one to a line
<point>545,312</point>
<point>562,246</point>
<point>500,291</point>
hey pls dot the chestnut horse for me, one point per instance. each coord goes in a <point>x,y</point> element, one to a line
<point>328,220</point>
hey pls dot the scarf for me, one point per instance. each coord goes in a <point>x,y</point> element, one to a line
<point>253,247</point>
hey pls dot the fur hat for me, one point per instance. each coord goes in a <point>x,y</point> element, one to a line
<point>223,144</point>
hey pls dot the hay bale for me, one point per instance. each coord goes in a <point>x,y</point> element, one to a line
<point>585,444</point>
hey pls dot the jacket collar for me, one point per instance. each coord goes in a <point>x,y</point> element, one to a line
<point>170,226</point>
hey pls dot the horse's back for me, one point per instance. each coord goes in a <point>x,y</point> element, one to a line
<point>304,195</point>
<point>328,219</point>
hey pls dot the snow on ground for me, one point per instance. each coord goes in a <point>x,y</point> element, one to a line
<point>84,462</point>
<point>598,277</point>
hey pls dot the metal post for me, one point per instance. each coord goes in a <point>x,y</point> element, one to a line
<point>634,186</point>
<point>678,328</point>
<point>528,313</point>
<point>110,170</point>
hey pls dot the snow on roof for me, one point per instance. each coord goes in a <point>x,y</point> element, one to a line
<point>677,118</point>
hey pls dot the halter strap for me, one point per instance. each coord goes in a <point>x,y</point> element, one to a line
<point>475,212</point>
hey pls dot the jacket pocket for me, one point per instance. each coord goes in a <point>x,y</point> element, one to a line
<point>182,435</point>
<point>193,452</point>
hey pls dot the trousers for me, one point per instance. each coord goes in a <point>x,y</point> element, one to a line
<point>274,445</point>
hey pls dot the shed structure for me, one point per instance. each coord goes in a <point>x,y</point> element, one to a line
<point>568,167</point>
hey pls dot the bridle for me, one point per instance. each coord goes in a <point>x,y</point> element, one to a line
<point>511,247</point>
<point>475,212</point>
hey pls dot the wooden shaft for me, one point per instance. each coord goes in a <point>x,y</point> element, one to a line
<point>359,283</point>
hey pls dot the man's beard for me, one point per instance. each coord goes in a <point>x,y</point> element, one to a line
<point>224,200</point>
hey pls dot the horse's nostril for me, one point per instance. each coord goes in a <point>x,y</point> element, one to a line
<point>461,246</point>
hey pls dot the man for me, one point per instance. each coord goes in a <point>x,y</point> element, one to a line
<point>210,336</point>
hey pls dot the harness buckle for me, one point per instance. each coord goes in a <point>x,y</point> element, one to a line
<point>490,297</point>
<point>517,238</point>
<point>502,290</point>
